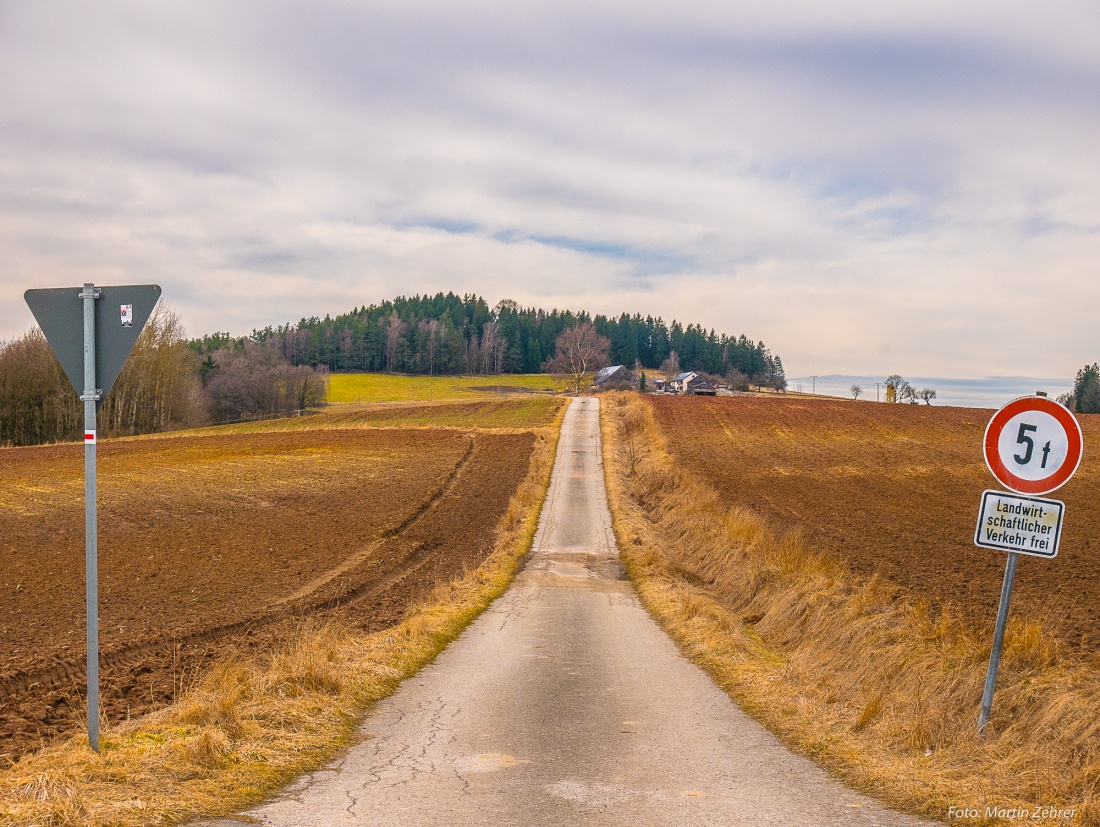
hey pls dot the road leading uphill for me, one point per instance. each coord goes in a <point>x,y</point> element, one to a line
<point>565,704</point>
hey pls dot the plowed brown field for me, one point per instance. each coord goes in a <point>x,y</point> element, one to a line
<point>220,541</point>
<point>893,489</point>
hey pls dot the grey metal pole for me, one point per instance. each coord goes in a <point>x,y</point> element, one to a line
<point>91,551</point>
<point>998,640</point>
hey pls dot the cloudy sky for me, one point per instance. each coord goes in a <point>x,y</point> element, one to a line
<point>869,188</point>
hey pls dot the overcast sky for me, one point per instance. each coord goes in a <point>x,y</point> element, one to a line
<point>869,188</point>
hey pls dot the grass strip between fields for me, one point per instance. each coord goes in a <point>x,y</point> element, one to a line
<point>848,671</point>
<point>249,726</point>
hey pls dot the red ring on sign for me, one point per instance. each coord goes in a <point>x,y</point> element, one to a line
<point>993,434</point>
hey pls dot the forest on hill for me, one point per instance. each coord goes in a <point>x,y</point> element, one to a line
<point>449,334</point>
<point>171,381</point>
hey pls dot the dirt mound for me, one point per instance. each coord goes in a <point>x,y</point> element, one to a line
<point>892,489</point>
<point>215,542</point>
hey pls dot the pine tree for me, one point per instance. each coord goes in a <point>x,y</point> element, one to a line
<point>1086,389</point>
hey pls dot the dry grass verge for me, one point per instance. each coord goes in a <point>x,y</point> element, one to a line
<point>848,670</point>
<point>248,726</point>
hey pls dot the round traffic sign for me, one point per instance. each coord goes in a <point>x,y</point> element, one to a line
<point>1033,445</point>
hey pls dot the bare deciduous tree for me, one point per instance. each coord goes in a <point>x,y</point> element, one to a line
<point>432,330</point>
<point>671,366</point>
<point>159,387</point>
<point>903,391</point>
<point>345,348</point>
<point>37,403</point>
<point>856,391</point>
<point>254,380</point>
<point>485,354</point>
<point>493,347</point>
<point>737,380</point>
<point>395,332</point>
<point>578,351</point>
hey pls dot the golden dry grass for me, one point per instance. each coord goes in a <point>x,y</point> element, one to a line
<point>891,489</point>
<point>248,726</point>
<point>847,670</point>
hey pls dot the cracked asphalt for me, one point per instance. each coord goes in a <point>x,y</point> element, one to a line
<point>565,704</point>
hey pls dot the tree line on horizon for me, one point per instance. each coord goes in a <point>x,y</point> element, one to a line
<point>172,382</point>
<point>165,384</point>
<point>451,334</point>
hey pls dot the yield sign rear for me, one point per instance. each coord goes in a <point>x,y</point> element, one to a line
<point>120,314</point>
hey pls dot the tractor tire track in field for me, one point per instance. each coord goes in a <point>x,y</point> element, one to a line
<point>372,588</point>
<point>365,554</point>
<point>298,603</point>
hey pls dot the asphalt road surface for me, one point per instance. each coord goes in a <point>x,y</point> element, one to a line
<point>565,704</point>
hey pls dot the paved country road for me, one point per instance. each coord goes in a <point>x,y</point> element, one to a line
<point>565,704</point>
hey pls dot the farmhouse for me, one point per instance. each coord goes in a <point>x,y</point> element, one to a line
<point>612,377</point>
<point>691,384</point>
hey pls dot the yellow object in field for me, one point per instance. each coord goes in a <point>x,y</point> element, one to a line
<point>891,394</point>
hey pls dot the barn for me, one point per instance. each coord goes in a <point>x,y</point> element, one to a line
<point>613,377</point>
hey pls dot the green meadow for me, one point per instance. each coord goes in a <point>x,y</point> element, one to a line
<point>386,387</point>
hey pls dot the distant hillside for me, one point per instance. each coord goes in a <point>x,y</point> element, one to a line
<point>452,334</point>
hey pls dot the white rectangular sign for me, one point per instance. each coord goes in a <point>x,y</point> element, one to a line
<point>1015,522</point>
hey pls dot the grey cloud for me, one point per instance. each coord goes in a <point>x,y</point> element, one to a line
<point>769,170</point>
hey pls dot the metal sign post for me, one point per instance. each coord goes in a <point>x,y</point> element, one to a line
<point>998,642</point>
<point>92,351</point>
<point>1032,445</point>
<point>90,397</point>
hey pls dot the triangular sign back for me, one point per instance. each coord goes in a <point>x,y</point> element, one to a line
<point>121,312</point>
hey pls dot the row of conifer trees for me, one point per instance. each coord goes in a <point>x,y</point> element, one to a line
<point>451,334</point>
